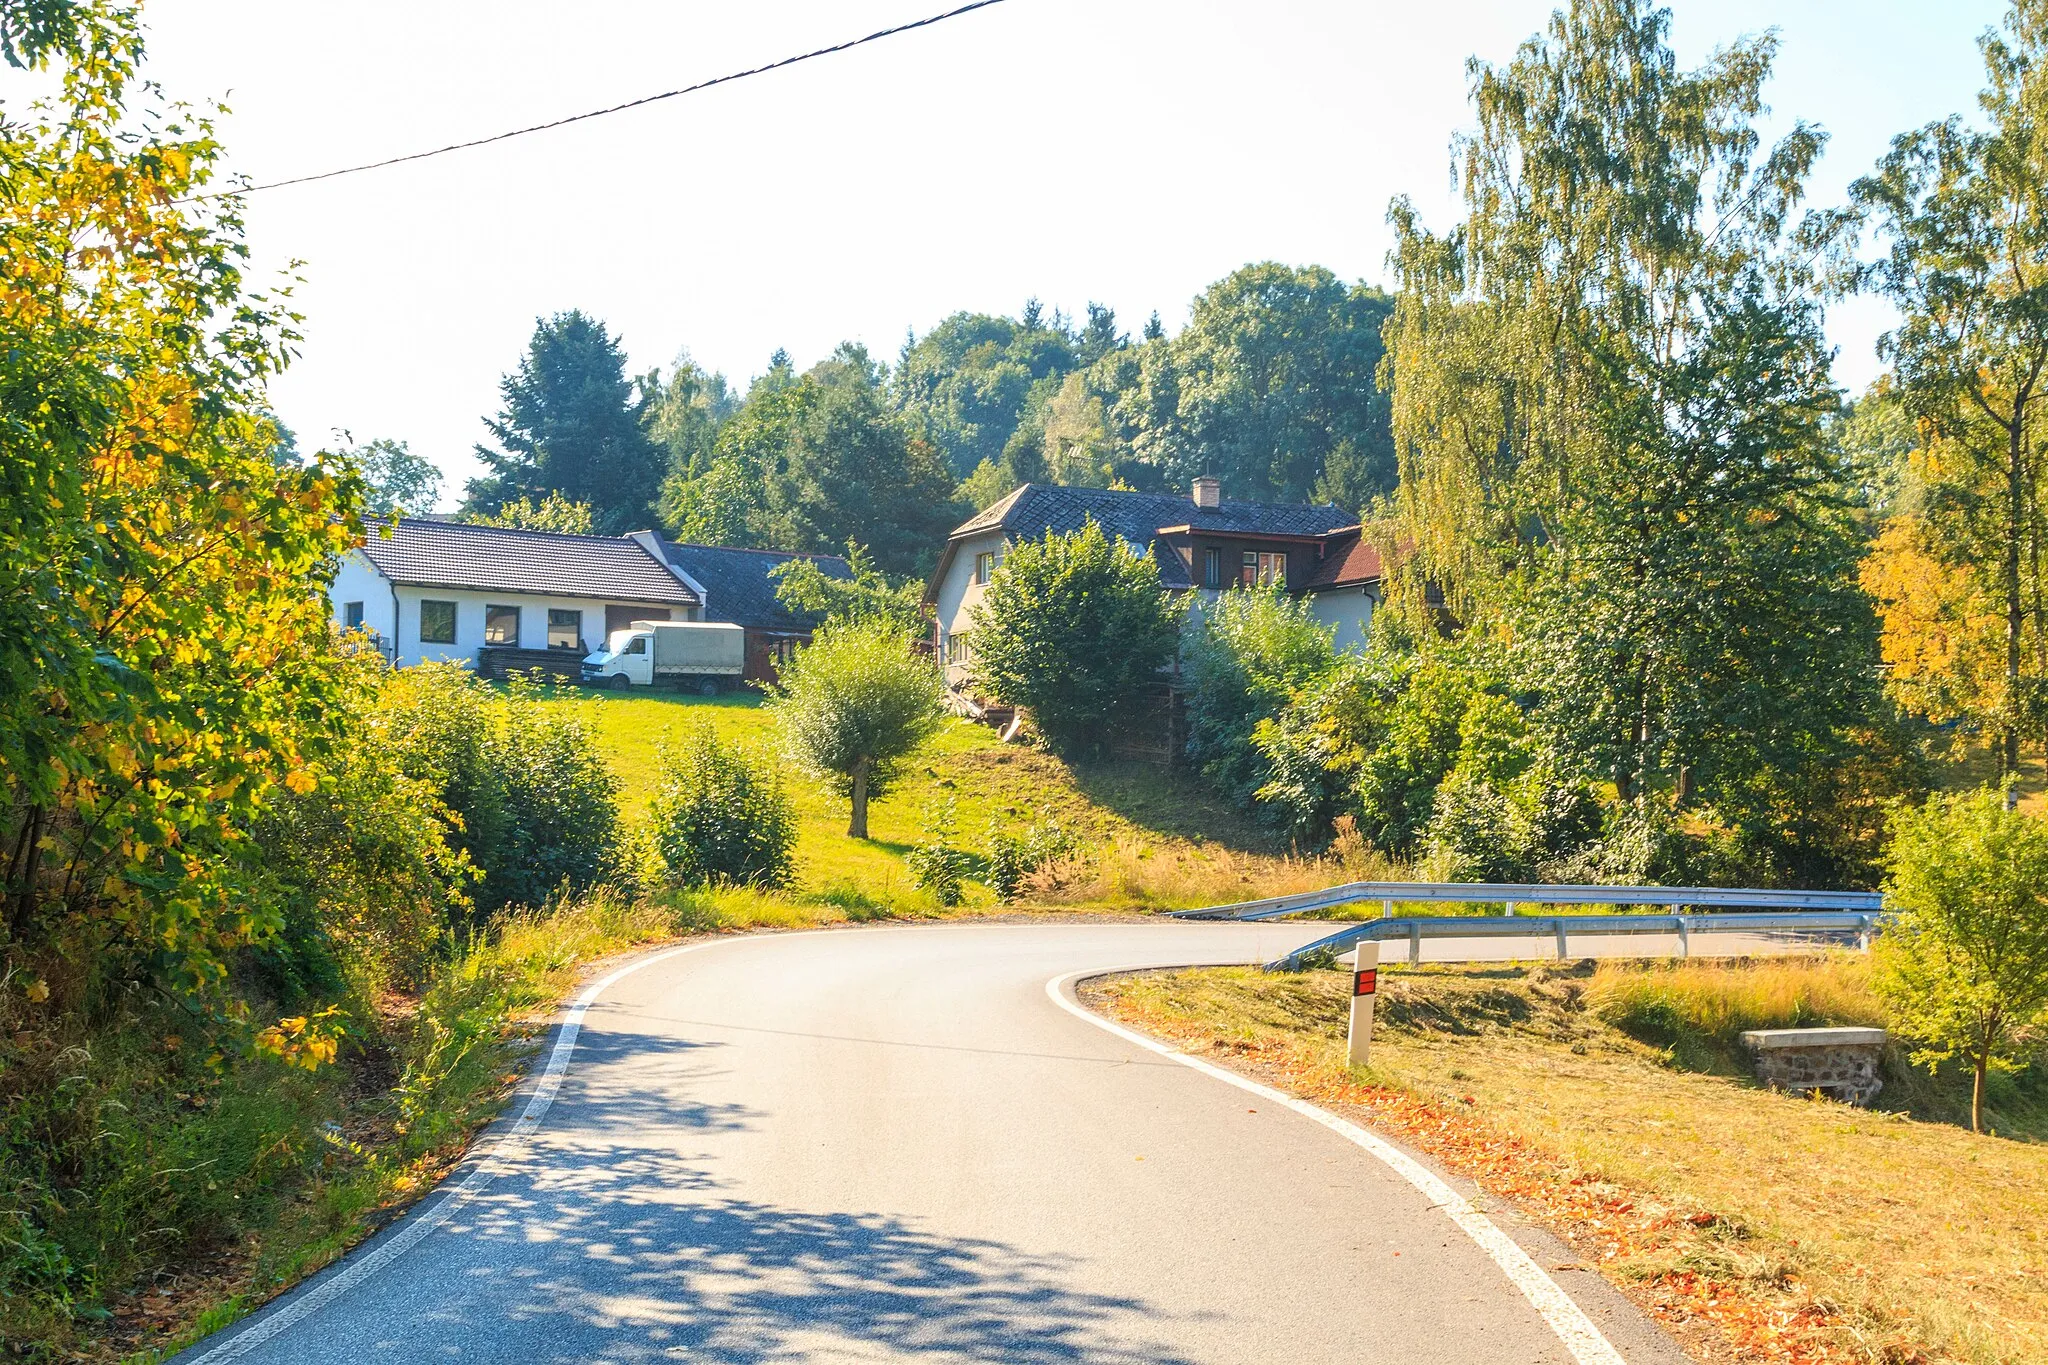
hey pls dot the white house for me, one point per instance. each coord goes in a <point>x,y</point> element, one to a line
<point>503,599</point>
<point>1202,544</point>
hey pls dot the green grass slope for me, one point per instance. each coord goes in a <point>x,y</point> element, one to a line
<point>1151,835</point>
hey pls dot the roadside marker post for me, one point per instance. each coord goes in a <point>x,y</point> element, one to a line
<point>1365,984</point>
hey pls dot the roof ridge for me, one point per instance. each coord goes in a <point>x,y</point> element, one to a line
<point>396,522</point>
<point>753,550</point>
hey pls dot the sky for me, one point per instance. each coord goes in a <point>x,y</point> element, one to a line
<point>1123,151</point>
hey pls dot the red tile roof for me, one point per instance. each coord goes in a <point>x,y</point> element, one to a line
<point>1348,561</point>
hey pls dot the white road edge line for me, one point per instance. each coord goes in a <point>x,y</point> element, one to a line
<point>1585,1341</point>
<point>490,1165</point>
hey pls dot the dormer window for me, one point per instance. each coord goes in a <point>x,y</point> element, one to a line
<point>1262,570</point>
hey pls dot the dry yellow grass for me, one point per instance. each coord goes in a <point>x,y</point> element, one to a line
<point>1913,1236</point>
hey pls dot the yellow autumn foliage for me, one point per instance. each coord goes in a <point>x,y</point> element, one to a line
<point>1943,642</point>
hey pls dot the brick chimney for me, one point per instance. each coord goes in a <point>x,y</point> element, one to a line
<point>1208,492</point>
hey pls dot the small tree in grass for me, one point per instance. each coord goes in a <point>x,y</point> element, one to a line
<point>1076,628</point>
<point>1964,959</point>
<point>720,817</point>
<point>853,705</point>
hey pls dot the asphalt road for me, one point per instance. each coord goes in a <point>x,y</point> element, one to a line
<point>893,1144</point>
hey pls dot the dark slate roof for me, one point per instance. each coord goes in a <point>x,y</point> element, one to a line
<point>737,587</point>
<point>432,553</point>
<point>1033,509</point>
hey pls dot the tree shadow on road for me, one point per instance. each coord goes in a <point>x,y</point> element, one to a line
<point>635,1256</point>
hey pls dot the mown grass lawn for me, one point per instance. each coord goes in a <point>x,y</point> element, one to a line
<point>1787,1228</point>
<point>1134,813</point>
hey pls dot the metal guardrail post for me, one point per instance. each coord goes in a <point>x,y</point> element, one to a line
<point>1561,953</point>
<point>1415,945</point>
<point>1684,941</point>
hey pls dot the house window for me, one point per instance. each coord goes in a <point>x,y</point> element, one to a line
<point>437,623</point>
<point>1262,570</point>
<point>565,628</point>
<point>957,651</point>
<point>351,616</point>
<point>984,566</point>
<point>501,625</point>
<point>1212,568</point>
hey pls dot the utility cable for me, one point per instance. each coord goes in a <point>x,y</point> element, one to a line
<point>874,37</point>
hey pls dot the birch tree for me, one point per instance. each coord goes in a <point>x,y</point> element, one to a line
<point>1610,391</point>
<point>1964,212</point>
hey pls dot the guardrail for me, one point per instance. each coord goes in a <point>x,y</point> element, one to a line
<point>1788,931</point>
<point>1389,894</point>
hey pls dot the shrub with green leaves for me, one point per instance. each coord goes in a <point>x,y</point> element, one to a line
<point>721,815</point>
<point>536,805</point>
<point>1244,659</point>
<point>1963,960</point>
<point>362,863</point>
<point>937,863</point>
<point>1012,857</point>
<point>1077,629</point>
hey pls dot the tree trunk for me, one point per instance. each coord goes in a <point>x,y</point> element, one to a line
<point>22,871</point>
<point>857,828</point>
<point>2015,603</point>
<point>1977,1095</point>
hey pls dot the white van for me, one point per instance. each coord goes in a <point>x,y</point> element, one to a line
<point>708,656</point>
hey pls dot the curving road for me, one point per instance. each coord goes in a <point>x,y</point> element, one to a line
<point>894,1144</point>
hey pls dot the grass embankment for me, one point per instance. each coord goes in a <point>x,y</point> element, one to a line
<point>1151,839</point>
<point>1612,1106</point>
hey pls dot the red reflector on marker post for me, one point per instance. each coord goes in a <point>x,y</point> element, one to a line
<point>1365,981</point>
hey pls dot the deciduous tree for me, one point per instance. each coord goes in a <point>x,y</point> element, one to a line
<point>1964,955</point>
<point>1965,214</point>
<point>1611,413</point>
<point>852,706</point>
<point>395,480</point>
<point>164,658</point>
<point>1076,628</point>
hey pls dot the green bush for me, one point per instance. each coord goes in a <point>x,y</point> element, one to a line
<point>1012,858</point>
<point>1077,629</point>
<point>1243,661</point>
<point>721,816</point>
<point>561,806</point>
<point>361,865</point>
<point>936,863</point>
<point>535,808</point>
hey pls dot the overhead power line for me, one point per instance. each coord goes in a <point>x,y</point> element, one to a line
<point>850,43</point>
